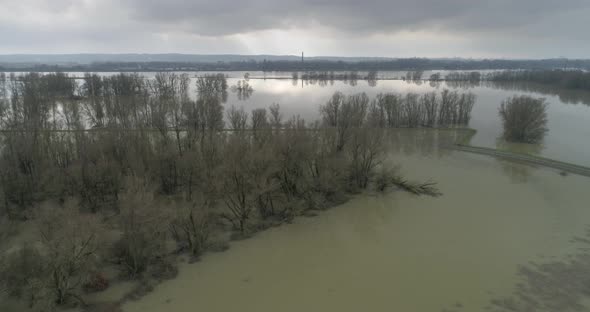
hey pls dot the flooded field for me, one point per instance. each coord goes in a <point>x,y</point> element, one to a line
<point>503,236</point>
<point>398,252</point>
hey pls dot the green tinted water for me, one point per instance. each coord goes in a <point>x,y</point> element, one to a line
<point>396,252</point>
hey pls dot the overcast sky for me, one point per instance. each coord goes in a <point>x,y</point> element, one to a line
<point>393,28</point>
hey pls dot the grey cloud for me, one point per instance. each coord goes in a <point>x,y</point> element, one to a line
<point>222,17</point>
<point>538,28</point>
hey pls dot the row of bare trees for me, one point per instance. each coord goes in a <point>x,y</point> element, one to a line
<point>391,110</point>
<point>323,78</point>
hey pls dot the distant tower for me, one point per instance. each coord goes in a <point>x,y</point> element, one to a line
<point>301,57</point>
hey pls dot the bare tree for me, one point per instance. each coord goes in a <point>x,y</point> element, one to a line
<point>430,106</point>
<point>243,89</point>
<point>92,90</point>
<point>372,77</point>
<point>448,108</point>
<point>351,115</point>
<point>191,227</point>
<point>238,187</point>
<point>259,119</point>
<point>413,110</point>
<point>524,119</point>
<point>238,118</point>
<point>331,110</point>
<point>276,117</point>
<point>365,153</point>
<point>144,228</point>
<point>465,106</point>
<point>392,104</point>
<point>70,242</point>
<point>376,116</point>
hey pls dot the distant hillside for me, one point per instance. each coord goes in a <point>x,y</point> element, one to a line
<point>59,59</point>
<point>70,59</point>
<point>235,62</point>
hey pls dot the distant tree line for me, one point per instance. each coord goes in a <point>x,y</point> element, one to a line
<point>323,77</point>
<point>310,65</point>
<point>570,79</point>
<point>473,76</point>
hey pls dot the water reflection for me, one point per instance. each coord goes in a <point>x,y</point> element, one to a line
<point>435,84</point>
<point>517,172</point>
<point>462,84</point>
<point>323,79</point>
<point>242,89</point>
<point>567,96</point>
<point>425,142</point>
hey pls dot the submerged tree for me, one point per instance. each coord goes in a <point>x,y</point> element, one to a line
<point>52,269</point>
<point>365,152</point>
<point>238,118</point>
<point>190,226</point>
<point>243,89</point>
<point>524,119</point>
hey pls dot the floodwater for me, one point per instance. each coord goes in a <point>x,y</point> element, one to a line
<point>397,252</point>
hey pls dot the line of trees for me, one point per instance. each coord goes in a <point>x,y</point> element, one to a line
<point>411,110</point>
<point>473,76</point>
<point>570,79</point>
<point>310,64</point>
<point>322,78</point>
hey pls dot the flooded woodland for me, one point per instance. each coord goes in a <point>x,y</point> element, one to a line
<point>289,192</point>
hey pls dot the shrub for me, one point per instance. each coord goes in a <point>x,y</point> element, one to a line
<point>70,244</point>
<point>53,271</point>
<point>190,227</point>
<point>21,273</point>
<point>96,282</point>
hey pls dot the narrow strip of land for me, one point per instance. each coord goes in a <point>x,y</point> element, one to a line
<point>523,158</point>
